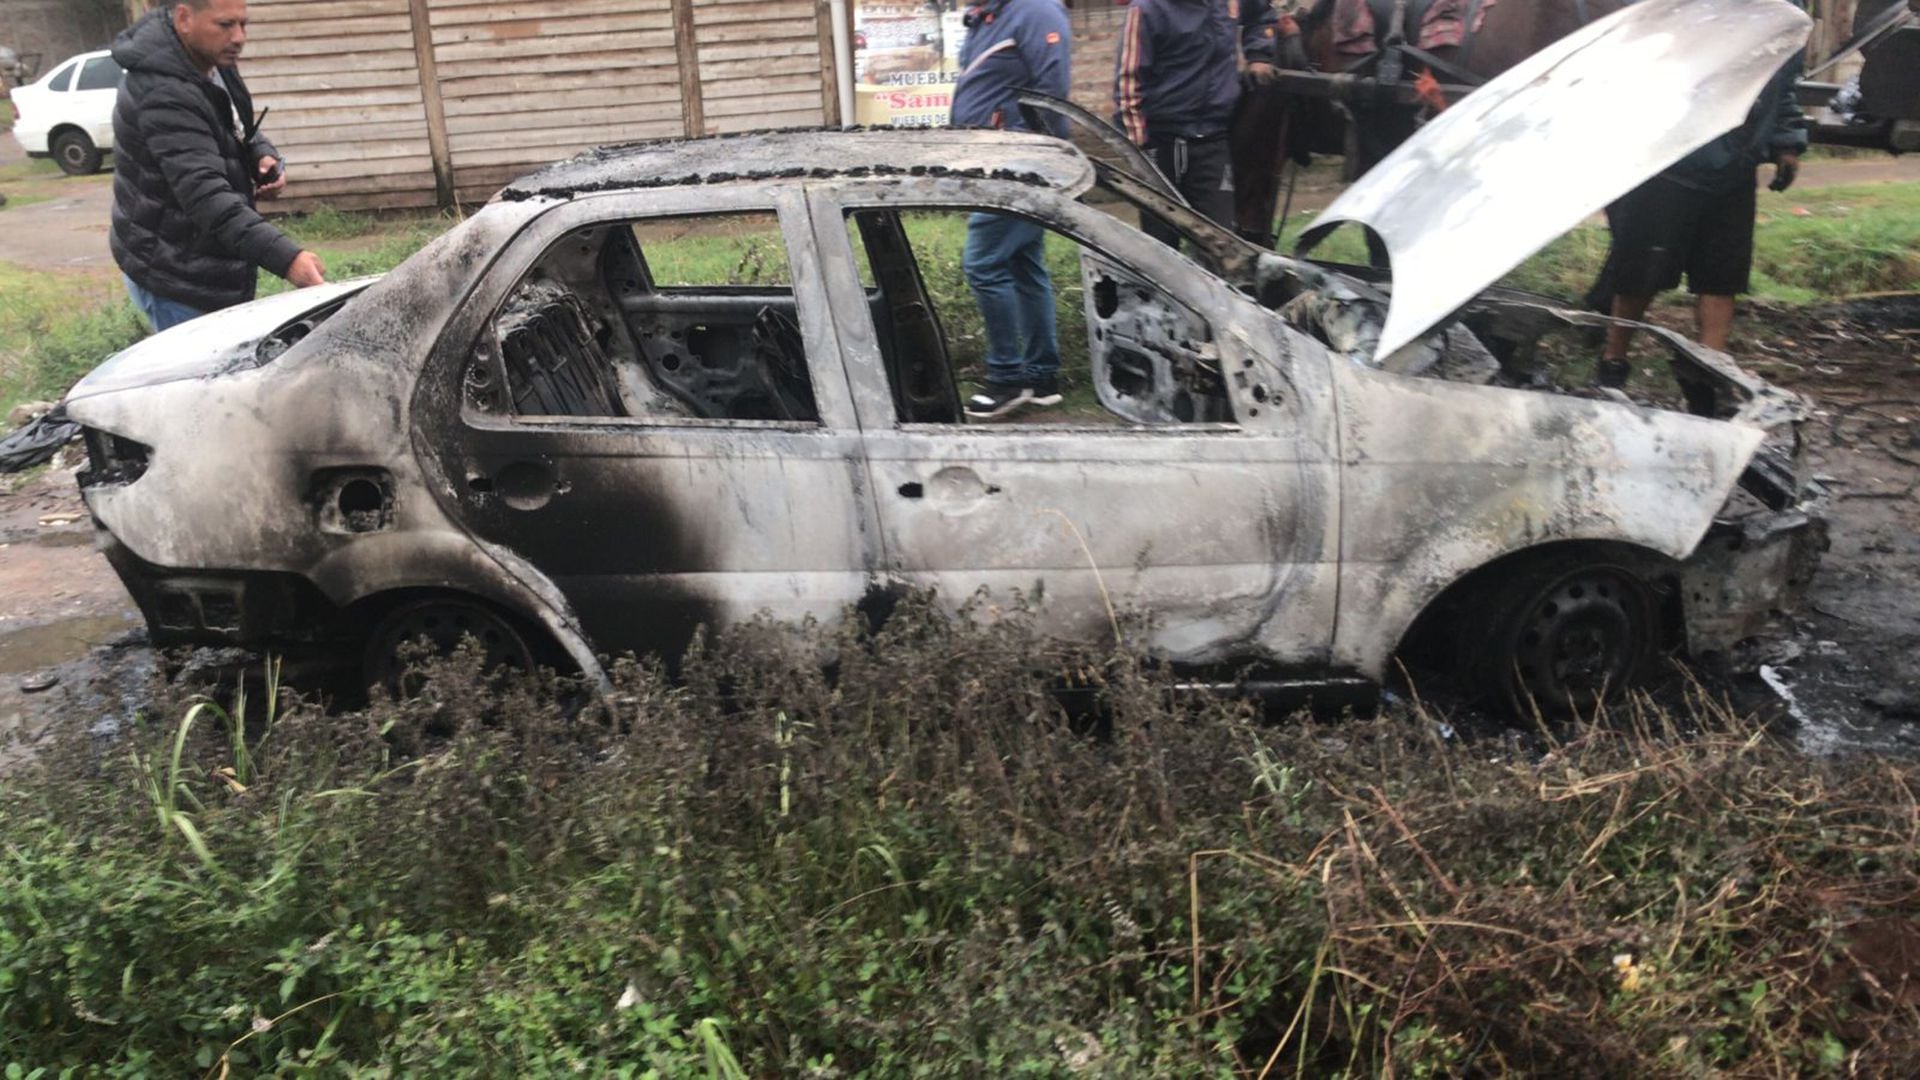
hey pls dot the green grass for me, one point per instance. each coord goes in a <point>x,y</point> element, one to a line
<point>925,867</point>
<point>54,327</point>
<point>15,202</point>
<point>1850,240</point>
<point>30,169</point>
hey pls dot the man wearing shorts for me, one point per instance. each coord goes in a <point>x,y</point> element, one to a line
<point>1696,221</point>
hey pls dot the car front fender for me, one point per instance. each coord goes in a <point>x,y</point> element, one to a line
<point>1439,480</point>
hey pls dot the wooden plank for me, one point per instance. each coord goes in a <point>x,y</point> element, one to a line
<point>808,118</point>
<point>720,70</point>
<point>794,106</point>
<point>437,144</point>
<point>665,112</point>
<point>318,152</point>
<point>571,63</point>
<point>608,47</point>
<point>420,165</point>
<point>807,86</point>
<point>261,35</point>
<point>319,12</point>
<point>771,17</point>
<point>496,147</point>
<point>413,133</point>
<point>272,81</point>
<point>322,189</point>
<point>513,84</point>
<point>741,33</point>
<point>687,49</point>
<point>402,95</point>
<point>775,51</point>
<point>336,45</point>
<point>385,60</point>
<point>829,78</point>
<point>550,28</point>
<point>369,116</point>
<point>457,12</point>
<point>496,105</point>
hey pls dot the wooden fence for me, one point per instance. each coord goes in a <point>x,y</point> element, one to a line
<point>410,103</point>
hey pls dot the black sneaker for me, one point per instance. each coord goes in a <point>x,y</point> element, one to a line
<point>996,400</point>
<point>1612,374</point>
<point>1043,391</point>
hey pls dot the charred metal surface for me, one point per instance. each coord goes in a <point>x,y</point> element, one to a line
<point>1746,573</point>
<point>520,414</point>
<point>814,156</point>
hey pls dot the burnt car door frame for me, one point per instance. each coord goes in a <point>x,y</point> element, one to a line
<point>653,525</point>
<point>1225,534</point>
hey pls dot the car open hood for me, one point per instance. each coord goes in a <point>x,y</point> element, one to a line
<point>213,344</point>
<point>1531,154</point>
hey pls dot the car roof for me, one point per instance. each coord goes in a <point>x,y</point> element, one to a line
<point>815,154</point>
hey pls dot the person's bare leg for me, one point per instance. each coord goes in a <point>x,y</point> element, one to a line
<point>1613,368</point>
<point>1715,315</point>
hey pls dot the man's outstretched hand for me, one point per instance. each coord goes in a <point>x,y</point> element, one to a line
<point>306,270</point>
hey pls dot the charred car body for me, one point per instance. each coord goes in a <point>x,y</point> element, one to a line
<point>539,432</point>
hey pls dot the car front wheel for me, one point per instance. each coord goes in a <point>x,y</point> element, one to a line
<point>1562,635</point>
<point>75,153</point>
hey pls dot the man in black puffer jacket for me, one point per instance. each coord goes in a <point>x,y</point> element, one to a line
<point>189,161</point>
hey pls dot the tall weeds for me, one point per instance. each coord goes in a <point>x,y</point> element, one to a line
<point>919,863</point>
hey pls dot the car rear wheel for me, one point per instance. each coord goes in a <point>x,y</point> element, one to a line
<point>1561,636</point>
<point>75,153</point>
<point>435,627</point>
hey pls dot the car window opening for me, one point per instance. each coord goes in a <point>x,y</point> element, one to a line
<point>690,317</point>
<point>1128,352</point>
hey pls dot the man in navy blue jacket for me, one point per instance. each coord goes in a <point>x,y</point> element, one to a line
<point>1176,81</point>
<point>1012,45</point>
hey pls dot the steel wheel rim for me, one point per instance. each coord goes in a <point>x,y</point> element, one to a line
<point>1582,638</point>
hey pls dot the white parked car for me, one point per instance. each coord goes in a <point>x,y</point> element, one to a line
<point>68,115</point>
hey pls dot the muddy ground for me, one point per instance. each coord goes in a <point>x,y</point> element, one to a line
<point>1848,664</point>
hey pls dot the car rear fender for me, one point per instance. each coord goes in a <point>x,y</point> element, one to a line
<point>446,560</point>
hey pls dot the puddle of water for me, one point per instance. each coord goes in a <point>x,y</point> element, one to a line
<point>48,644</point>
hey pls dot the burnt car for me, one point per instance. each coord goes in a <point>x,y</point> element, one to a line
<point>698,381</point>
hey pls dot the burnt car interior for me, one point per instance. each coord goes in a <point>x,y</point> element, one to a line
<point>1150,359</point>
<point>594,330</point>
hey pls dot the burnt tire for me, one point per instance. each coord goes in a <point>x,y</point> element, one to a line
<point>75,153</point>
<point>441,623</point>
<point>1561,636</point>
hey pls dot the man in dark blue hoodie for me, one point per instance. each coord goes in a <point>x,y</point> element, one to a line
<point>1176,80</point>
<point>1696,219</point>
<point>1012,45</point>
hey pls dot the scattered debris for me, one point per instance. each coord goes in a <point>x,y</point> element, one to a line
<point>37,441</point>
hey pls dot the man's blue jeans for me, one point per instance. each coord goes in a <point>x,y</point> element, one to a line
<point>1005,263</point>
<point>161,312</point>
